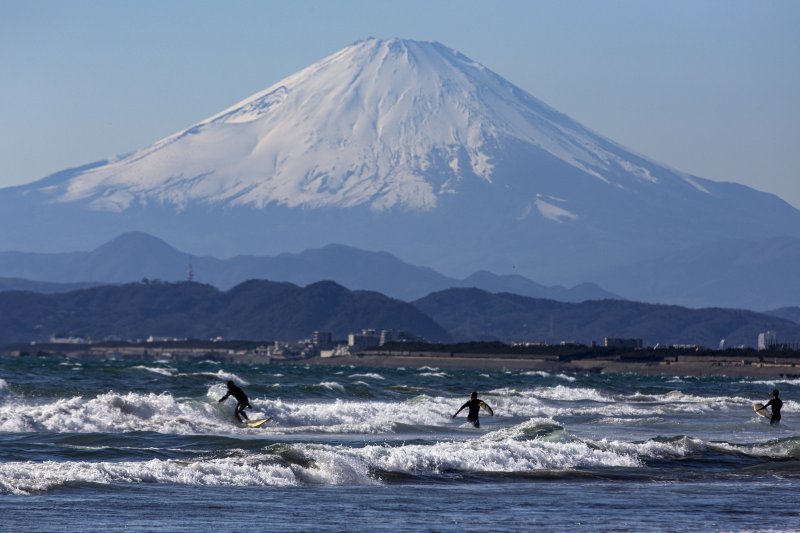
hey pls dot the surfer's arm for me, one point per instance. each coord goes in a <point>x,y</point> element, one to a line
<point>488,409</point>
<point>462,408</point>
<point>225,397</point>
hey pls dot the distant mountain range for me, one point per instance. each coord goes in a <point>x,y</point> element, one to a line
<point>472,314</point>
<point>258,310</point>
<point>413,148</point>
<point>264,310</point>
<point>136,255</point>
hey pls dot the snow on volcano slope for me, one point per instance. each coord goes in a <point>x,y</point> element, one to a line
<point>384,124</point>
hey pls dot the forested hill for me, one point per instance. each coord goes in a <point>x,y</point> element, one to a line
<point>472,314</point>
<point>258,310</point>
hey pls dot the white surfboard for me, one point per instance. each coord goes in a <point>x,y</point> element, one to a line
<point>760,411</point>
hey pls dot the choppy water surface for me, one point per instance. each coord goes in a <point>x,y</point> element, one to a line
<point>104,444</point>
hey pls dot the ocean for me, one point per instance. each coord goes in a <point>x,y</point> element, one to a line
<point>145,446</point>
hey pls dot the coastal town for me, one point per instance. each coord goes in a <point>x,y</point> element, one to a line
<point>392,348</point>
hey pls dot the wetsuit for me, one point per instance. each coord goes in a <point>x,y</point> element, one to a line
<point>776,404</point>
<point>241,399</point>
<point>474,405</point>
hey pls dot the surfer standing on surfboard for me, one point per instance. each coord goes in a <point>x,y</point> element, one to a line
<point>475,404</point>
<point>776,404</point>
<point>241,401</point>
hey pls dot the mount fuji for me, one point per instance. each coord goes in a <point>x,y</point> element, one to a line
<point>403,146</point>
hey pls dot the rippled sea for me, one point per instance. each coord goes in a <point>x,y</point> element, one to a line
<point>144,446</point>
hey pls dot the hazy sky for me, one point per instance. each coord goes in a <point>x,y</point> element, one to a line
<point>708,87</point>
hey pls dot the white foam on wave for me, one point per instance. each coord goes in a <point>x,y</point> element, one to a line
<point>654,449</point>
<point>368,375</point>
<point>163,413</point>
<point>157,370</point>
<point>434,374</point>
<point>540,373</point>
<point>779,449</point>
<point>332,385</point>
<point>31,477</point>
<point>507,455</point>
<point>4,388</point>
<point>114,413</point>
<point>562,392</point>
<point>686,402</point>
<point>341,416</point>
<point>543,374</point>
<point>772,382</point>
<point>221,375</point>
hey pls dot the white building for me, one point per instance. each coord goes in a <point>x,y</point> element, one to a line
<point>366,339</point>
<point>767,340</point>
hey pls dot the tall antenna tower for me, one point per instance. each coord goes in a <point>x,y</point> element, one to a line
<point>190,273</point>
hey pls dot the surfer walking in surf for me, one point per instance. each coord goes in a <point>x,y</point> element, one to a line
<point>475,404</point>
<point>241,401</point>
<point>776,404</point>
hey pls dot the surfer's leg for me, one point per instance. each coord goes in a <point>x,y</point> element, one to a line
<point>240,411</point>
<point>775,420</point>
<point>476,422</point>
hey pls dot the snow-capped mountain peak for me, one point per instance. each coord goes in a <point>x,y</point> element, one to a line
<point>384,123</point>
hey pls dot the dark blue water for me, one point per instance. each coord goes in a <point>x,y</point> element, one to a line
<point>146,446</point>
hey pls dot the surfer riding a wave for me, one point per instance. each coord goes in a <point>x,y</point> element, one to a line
<point>475,404</point>
<point>241,400</point>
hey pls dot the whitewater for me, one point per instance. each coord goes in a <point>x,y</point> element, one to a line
<point>98,445</point>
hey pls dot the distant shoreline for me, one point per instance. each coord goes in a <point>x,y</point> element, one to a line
<point>732,364</point>
<point>682,366</point>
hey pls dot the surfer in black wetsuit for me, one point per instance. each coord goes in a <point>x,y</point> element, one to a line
<point>241,400</point>
<point>776,404</point>
<point>474,403</point>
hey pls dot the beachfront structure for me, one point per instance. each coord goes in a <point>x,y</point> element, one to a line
<point>323,340</point>
<point>611,342</point>
<point>767,340</point>
<point>361,341</point>
<point>392,335</point>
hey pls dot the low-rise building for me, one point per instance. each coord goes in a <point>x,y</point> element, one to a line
<point>612,342</point>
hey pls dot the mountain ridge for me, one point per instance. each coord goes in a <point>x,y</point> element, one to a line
<point>475,315</point>
<point>265,311</point>
<point>258,310</point>
<point>135,255</point>
<point>403,146</point>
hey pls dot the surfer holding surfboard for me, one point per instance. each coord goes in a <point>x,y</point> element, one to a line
<point>475,404</point>
<point>776,404</point>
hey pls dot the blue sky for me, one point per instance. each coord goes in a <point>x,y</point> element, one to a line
<point>710,87</point>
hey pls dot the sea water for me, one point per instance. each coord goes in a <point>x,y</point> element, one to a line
<point>108,445</point>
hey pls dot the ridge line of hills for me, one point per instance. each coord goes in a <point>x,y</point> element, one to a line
<point>136,255</point>
<point>266,310</point>
<point>416,149</point>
